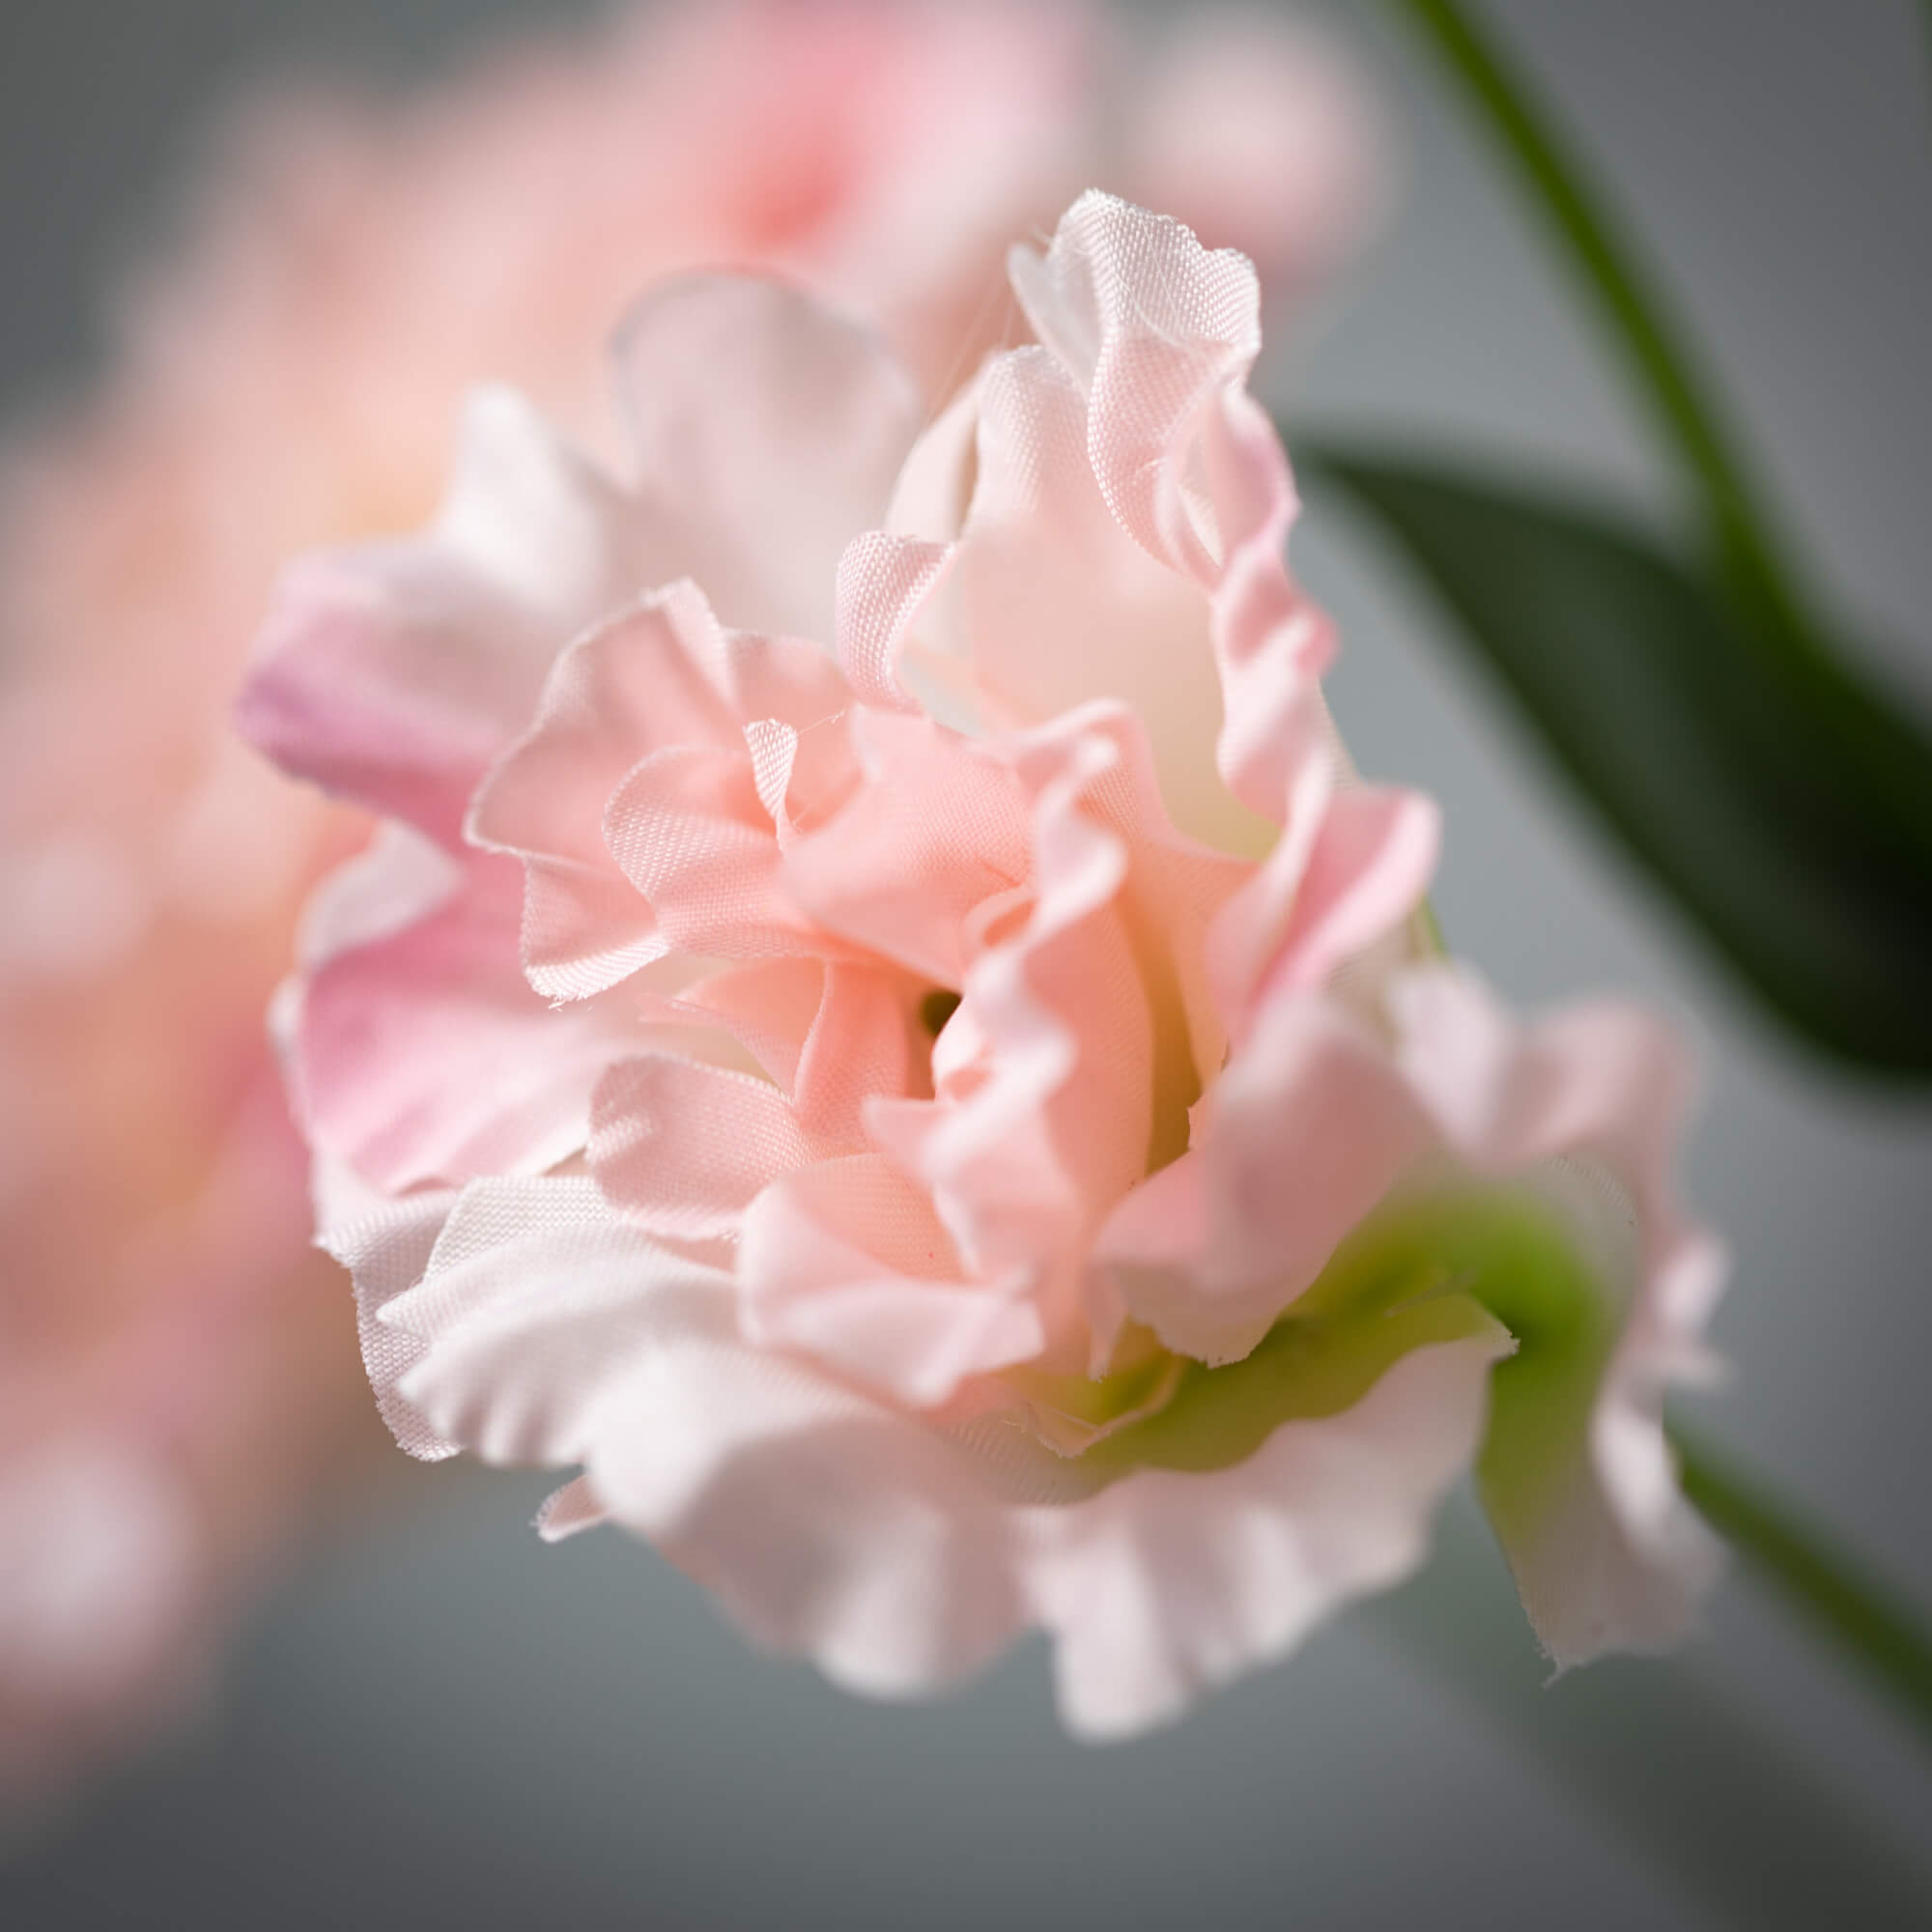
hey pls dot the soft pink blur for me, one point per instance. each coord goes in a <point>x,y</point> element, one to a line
<point>178,1374</point>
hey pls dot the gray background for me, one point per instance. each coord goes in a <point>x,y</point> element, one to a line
<point>442,1722</point>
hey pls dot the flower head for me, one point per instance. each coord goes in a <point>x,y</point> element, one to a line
<point>288,375</point>
<point>884,1029</point>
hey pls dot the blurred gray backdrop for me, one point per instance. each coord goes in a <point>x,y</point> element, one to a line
<point>442,1722</point>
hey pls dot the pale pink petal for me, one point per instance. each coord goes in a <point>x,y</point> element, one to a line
<point>690,832</point>
<point>861,1046</point>
<point>1170,1583</point>
<point>533,1306</point>
<point>884,584</point>
<point>1150,328</point>
<point>424,1056</point>
<point>1303,1134</point>
<point>646,679</point>
<point>1176,892</point>
<point>1589,1103</point>
<point>682,1149</point>
<point>827,1524</point>
<point>933,829</point>
<point>1025,1151</point>
<point>935,491</point>
<point>1271,641</point>
<point>1156,334</point>
<point>1061,606</point>
<point>846,1261</point>
<point>768,1006</point>
<point>570,1511</point>
<point>765,432</point>
<point>394,674</point>
<point>385,1249</point>
<point>1346,871</point>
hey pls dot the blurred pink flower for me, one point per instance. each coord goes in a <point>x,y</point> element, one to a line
<point>957,1126</point>
<point>292,377</point>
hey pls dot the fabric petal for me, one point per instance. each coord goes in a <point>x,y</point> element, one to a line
<point>830,1525</point>
<point>765,432</point>
<point>847,1261</point>
<point>569,1511</point>
<point>690,832</point>
<point>1026,1149</point>
<point>386,1251</point>
<point>534,1304</point>
<point>1061,606</point>
<point>682,1149</point>
<point>422,1055</point>
<point>933,829</point>
<point>1349,868</point>
<point>646,679</point>
<point>1170,1583</point>
<point>393,674</point>
<point>1607,1553</point>
<point>1303,1133</point>
<point>1158,335</point>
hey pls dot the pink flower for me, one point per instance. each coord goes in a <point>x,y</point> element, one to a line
<point>960,1128</point>
<point>292,377</point>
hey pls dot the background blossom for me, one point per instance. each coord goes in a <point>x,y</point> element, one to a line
<point>292,377</point>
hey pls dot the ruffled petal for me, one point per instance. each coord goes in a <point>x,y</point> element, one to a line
<point>847,1261</point>
<point>421,1055</point>
<point>385,1249</point>
<point>1157,335</point>
<point>1300,1137</point>
<point>1349,868</point>
<point>1587,1104</point>
<point>690,832</point>
<point>645,680</point>
<point>827,1524</point>
<point>392,675</point>
<point>1060,606</point>
<point>534,1306</point>
<point>1170,1583</point>
<point>765,432</point>
<point>682,1149</point>
<point>933,829</point>
<point>1030,1142</point>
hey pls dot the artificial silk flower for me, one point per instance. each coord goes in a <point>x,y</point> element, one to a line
<point>175,1379</point>
<point>882,1030</point>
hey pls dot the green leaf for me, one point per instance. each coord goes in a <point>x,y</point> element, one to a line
<point>1786,808</point>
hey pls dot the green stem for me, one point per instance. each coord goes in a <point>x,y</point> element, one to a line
<point>1690,1777</point>
<point>1828,1588</point>
<point>1655,349</point>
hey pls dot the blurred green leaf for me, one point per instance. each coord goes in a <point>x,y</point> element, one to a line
<point>1785,807</point>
